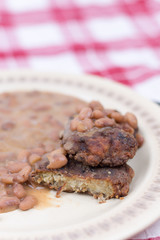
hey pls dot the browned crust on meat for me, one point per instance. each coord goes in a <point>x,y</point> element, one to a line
<point>108,146</point>
<point>102,183</point>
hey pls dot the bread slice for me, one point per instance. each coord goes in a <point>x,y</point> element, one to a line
<point>103,183</point>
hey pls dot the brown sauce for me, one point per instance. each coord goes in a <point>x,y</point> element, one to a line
<point>42,194</point>
<point>30,124</point>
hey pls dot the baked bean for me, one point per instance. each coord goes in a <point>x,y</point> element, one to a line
<point>9,203</point>
<point>81,127</point>
<point>4,110</point>
<point>74,123</point>
<point>49,147</point>
<point>23,175</point>
<point>6,178</point>
<point>39,151</point>
<point>3,170</point>
<point>117,117</point>
<point>9,189</point>
<point>23,156</point>
<point>6,156</point>
<point>88,123</point>
<point>68,113</point>
<point>97,114</point>
<point>85,113</point>
<point>8,125</point>
<point>19,191</point>
<point>104,122</point>
<point>47,118</point>
<point>95,105</point>
<point>3,156</point>
<point>108,112</point>
<point>27,123</point>
<point>57,159</point>
<point>33,158</point>
<point>33,117</point>
<point>140,139</point>
<point>42,108</point>
<point>15,167</point>
<point>27,203</point>
<point>56,124</point>
<point>126,127</point>
<point>79,108</point>
<point>3,191</point>
<point>33,93</point>
<point>131,119</point>
<point>55,134</point>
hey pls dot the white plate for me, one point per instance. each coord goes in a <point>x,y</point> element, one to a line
<point>79,216</point>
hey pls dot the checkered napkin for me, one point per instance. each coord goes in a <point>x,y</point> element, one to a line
<point>116,39</point>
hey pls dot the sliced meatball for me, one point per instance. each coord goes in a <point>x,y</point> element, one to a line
<point>103,183</point>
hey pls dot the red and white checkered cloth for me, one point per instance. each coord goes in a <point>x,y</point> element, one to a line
<point>116,39</point>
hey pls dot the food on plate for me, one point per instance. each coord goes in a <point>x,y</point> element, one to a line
<point>107,146</point>
<point>34,147</point>
<point>101,137</point>
<point>102,183</point>
<point>30,123</point>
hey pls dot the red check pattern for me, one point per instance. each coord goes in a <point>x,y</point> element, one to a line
<point>81,35</point>
<point>115,39</point>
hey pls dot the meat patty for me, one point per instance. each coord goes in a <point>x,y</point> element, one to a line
<point>102,183</point>
<point>107,146</point>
